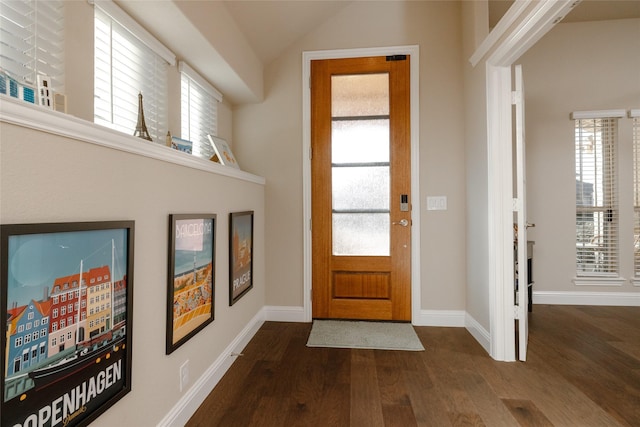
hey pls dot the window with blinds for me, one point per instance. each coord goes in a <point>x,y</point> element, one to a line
<point>597,250</point>
<point>199,110</point>
<point>636,194</point>
<point>32,41</point>
<point>124,67</point>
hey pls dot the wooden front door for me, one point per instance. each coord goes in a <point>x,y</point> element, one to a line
<point>361,188</point>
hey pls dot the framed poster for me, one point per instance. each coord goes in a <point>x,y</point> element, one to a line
<point>66,300</point>
<point>240,255</point>
<point>190,296</point>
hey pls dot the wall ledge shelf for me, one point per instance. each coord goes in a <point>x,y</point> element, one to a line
<point>39,118</point>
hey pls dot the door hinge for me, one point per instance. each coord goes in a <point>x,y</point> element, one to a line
<point>516,205</point>
<point>516,96</point>
<point>397,58</point>
<point>516,312</point>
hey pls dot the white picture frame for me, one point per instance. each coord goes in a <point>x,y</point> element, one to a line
<point>223,151</point>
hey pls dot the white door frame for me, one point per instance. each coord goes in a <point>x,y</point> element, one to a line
<point>520,28</point>
<point>307,57</point>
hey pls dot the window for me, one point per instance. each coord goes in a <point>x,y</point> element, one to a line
<point>18,342</point>
<point>597,252</point>
<point>32,34</point>
<point>635,115</point>
<point>129,61</point>
<point>199,107</point>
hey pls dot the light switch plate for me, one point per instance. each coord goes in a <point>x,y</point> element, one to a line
<point>437,203</point>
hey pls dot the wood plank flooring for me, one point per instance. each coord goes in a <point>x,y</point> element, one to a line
<point>583,369</point>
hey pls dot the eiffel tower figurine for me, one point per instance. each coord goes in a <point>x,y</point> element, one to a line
<point>141,128</point>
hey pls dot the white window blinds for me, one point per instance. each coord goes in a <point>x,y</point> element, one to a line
<point>597,251</point>
<point>199,108</point>
<point>32,41</point>
<point>635,115</point>
<point>129,61</point>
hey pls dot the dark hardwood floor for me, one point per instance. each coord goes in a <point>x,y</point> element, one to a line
<point>583,369</point>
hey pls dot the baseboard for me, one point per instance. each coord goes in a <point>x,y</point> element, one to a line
<point>283,314</point>
<point>478,332</point>
<point>629,299</point>
<point>193,398</point>
<point>453,318</point>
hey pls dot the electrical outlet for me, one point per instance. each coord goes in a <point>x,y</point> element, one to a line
<point>184,375</point>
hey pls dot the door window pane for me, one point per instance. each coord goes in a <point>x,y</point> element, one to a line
<point>361,234</point>
<point>360,95</point>
<point>360,141</point>
<point>357,188</point>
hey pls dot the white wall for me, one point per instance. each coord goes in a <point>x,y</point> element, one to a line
<point>268,137</point>
<point>576,66</point>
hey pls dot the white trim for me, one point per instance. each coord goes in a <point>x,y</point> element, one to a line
<point>598,281</point>
<point>478,332</point>
<point>54,122</point>
<point>598,114</point>
<point>198,392</point>
<point>626,299</point>
<point>498,31</point>
<point>184,68</point>
<point>634,112</point>
<point>414,52</point>
<point>531,25</point>
<point>122,18</point>
<point>526,26</point>
<point>284,314</point>
<point>635,281</point>
<point>446,318</point>
<point>500,205</point>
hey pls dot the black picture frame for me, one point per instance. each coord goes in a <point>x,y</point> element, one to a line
<point>66,304</point>
<point>191,277</point>
<point>240,255</point>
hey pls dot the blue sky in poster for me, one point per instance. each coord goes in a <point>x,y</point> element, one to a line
<point>36,260</point>
<point>196,234</point>
<point>243,226</point>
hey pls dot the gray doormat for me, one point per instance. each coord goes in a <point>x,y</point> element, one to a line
<point>369,335</point>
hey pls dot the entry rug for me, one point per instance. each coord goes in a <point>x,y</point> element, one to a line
<point>369,335</point>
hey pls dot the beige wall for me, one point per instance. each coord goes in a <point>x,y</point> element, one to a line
<point>268,138</point>
<point>476,28</point>
<point>576,66</point>
<point>47,178</point>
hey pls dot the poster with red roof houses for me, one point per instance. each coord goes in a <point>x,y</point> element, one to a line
<point>66,299</point>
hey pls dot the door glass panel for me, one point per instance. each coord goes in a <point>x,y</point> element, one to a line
<point>360,164</point>
<point>358,188</point>
<point>359,140</point>
<point>364,234</point>
<point>360,95</point>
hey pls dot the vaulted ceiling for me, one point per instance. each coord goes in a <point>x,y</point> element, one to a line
<point>230,42</point>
